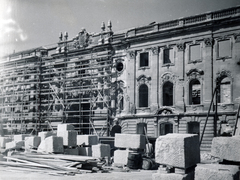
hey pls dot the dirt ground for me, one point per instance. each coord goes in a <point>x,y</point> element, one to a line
<point>6,174</point>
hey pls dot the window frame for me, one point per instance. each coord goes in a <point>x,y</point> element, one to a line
<point>200,53</point>
<point>171,63</point>
<point>164,91</point>
<point>141,95</point>
<point>140,59</point>
<point>190,102</point>
<point>218,49</point>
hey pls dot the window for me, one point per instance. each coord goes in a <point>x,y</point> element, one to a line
<point>224,48</point>
<point>195,53</point>
<point>143,96</point>
<point>168,94</point>
<point>195,92</point>
<point>142,128</point>
<point>119,66</point>
<point>168,56</point>
<point>144,59</point>
<point>193,128</point>
<point>224,95</point>
<point>166,128</point>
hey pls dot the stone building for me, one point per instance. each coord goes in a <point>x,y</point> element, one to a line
<point>175,76</point>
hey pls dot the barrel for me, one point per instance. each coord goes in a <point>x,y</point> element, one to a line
<point>134,161</point>
<point>147,164</point>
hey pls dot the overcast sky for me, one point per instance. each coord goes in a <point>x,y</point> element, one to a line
<point>26,24</point>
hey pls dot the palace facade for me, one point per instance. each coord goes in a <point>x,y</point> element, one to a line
<point>180,76</point>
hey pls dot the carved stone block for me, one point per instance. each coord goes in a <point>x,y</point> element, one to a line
<point>178,150</point>
<point>121,157</point>
<point>172,176</point>
<point>216,172</point>
<point>52,144</point>
<point>134,141</point>
<point>32,142</point>
<point>226,148</point>
<point>87,140</point>
<point>101,151</point>
<point>3,141</point>
<point>85,151</point>
<point>69,137</point>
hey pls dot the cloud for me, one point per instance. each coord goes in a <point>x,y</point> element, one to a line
<point>10,29</point>
<point>11,33</point>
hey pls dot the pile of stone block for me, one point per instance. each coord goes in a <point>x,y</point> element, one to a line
<point>227,150</point>
<point>85,143</point>
<point>17,142</point>
<point>127,144</point>
<point>177,156</point>
<point>69,136</point>
<point>65,141</point>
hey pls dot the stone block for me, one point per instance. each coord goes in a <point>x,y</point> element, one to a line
<point>216,172</point>
<point>3,141</point>
<point>20,137</point>
<point>52,144</point>
<point>172,176</point>
<point>32,142</point>
<point>69,138</point>
<point>15,145</point>
<point>178,150</point>
<point>85,151</point>
<point>101,151</point>
<point>45,134</point>
<point>134,141</point>
<point>227,148</point>
<point>71,151</point>
<point>64,127</point>
<point>121,157</point>
<point>87,140</point>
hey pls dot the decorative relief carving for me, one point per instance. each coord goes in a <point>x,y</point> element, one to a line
<point>237,38</point>
<point>221,75</point>
<point>180,46</point>
<point>165,111</point>
<point>155,50</point>
<point>132,54</point>
<point>143,80</point>
<point>195,74</point>
<point>208,42</point>
<point>168,77</point>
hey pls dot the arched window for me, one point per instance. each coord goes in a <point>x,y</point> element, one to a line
<point>195,92</point>
<point>166,128</point>
<point>168,94</point>
<point>225,90</point>
<point>143,96</point>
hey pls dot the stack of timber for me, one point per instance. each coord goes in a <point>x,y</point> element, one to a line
<point>55,164</point>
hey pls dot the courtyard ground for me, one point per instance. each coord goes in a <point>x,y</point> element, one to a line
<point>5,174</point>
